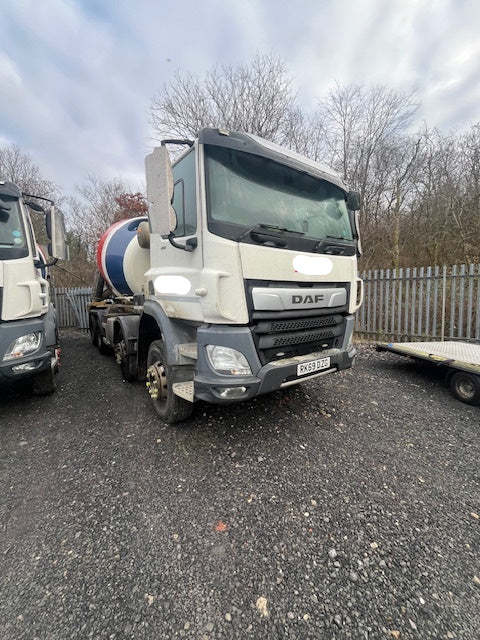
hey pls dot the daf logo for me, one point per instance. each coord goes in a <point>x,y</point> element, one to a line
<point>318,297</point>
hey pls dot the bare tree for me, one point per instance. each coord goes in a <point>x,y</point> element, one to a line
<point>445,209</point>
<point>88,217</point>
<point>420,189</point>
<point>18,167</point>
<point>257,98</point>
<point>356,123</point>
<point>363,133</point>
<point>91,216</point>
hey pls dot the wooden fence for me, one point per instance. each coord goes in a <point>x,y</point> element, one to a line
<point>421,303</point>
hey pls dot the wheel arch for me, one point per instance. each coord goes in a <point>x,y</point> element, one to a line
<point>449,373</point>
<point>129,326</point>
<point>95,315</point>
<point>156,325</point>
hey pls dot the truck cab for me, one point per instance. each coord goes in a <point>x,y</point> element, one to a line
<point>28,327</point>
<point>251,279</point>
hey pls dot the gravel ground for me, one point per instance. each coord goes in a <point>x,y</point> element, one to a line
<point>347,507</point>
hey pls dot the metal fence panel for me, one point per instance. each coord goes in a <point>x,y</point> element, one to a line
<point>71,304</point>
<point>421,303</point>
<point>400,304</point>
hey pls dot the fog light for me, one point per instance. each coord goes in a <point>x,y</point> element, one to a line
<point>232,392</point>
<point>26,366</point>
<point>23,345</point>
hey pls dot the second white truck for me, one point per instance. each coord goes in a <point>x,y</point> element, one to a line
<point>242,280</point>
<point>29,348</point>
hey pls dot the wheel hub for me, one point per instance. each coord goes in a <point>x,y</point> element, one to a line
<point>466,388</point>
<point>157,381</point>
<point>120,352</point>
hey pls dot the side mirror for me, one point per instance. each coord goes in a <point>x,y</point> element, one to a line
<point>354,201</point>
<point>55,225</point>
<point>357,232</point>
<point>158,173</point>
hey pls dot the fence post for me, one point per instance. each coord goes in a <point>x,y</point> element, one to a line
<point>471,271</point>
<point>427,300</point>
<point>420,302</point>
<point>477,313</point>
<point>400,287</point>
<point>407,299</point>
<point>453,301</point>
<point>444,301</point>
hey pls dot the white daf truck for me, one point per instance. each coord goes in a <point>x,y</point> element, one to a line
<point>29,347</point>
<point>242,280</point>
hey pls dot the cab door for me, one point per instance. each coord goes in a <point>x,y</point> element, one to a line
<point>176,270</point>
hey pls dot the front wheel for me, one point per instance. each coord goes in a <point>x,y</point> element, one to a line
<point>168,406</point>
<point>466,387</point>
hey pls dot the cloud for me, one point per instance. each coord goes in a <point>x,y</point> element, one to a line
<point>9,75</point>
<point>77,77</point>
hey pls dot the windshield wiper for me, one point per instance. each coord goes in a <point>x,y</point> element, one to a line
<point>267,227</point>
<point>325,241</point>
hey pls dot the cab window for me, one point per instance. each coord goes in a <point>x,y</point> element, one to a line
<point>184,196</point>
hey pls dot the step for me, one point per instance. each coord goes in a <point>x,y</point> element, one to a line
<point>183,390</point>
<point>189,350</point>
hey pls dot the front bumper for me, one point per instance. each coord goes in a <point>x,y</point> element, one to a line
<point>271,377</point>
<point>39,360</point>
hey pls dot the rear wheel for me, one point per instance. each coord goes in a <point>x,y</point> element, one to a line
<point>168,406</point>
<point>96,335</point>
<point>466,387</point>
<point>92,326</point>
<point>127,361</point>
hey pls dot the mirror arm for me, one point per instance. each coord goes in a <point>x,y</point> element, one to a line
<point>34,206</point>
<point>43,265</point>
<point>189,143</point>
<point>31,195</point>
<point>189,246</point>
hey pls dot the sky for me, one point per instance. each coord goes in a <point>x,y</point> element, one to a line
<point>77,77</point>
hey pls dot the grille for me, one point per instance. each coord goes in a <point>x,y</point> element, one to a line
<point>287,339</point>
<point>283,341</point>
<point>297,324</point>
<point>308,323</point>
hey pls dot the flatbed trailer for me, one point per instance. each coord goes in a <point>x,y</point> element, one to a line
<point>461,361</point>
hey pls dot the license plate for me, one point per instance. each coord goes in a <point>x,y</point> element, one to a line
<point>311,367</point>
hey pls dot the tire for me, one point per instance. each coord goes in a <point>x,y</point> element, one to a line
<point>127,361</point>
<point>465,387</point>
<point>168,406</point>
<point>96,336</point>
<point>45,383</point>
<point>92,326</point>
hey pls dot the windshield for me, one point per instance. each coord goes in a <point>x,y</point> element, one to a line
<point>247,191</point>
<point>12,236</point>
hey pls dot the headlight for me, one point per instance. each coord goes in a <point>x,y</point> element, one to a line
<point>23,345</point>
<point>228,361</point>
